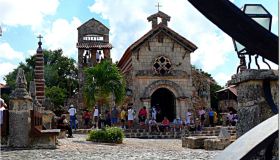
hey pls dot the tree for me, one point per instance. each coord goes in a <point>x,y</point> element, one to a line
<point>107,81</point>
<point>60,71</point>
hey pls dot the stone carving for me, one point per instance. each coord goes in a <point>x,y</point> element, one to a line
<point>20,92</point>
<point>21,81</point>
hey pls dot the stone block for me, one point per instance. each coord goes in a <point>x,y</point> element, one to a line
<point>196,142</point>
<point>62,134</point>
<point>44,141</point>
<point>216,144</point>
<point>19,128</point>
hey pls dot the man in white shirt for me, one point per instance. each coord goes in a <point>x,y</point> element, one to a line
<point>95,116</point>
<point>72,112</point>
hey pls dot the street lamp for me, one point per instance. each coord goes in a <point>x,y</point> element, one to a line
<point>259,14</point>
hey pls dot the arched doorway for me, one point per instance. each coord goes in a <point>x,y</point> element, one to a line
<point>164,99</point>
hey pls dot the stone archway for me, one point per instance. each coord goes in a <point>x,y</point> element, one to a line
<point>172,86</point>
<point>164,100</point>
<point>180,98</point>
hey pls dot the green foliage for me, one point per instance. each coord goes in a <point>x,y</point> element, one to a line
<point>56,94</point>
<point>108,80</point>
<point>107,135</point>
<point>60,71</point>
<point>214,98</point>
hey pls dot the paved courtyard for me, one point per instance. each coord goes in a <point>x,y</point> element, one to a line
<point>79,148</point>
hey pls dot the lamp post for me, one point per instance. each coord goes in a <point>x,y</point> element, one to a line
<point>259,14</point>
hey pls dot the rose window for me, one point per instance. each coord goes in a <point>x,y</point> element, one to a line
<point>162,65</point>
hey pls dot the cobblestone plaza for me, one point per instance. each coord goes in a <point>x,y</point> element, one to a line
<point>79,148</point>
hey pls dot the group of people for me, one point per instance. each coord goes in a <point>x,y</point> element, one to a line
<point>125,118</point>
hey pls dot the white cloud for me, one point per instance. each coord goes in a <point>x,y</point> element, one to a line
<point>128,24</point>
<point>5,69</point>
<point>26,12</point>
<point>222,78</point>
<point>64,35</point>
<point>8,53</point>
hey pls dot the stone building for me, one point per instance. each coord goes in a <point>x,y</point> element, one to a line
<point>158,71</point>
<point>93,45</point>
<point>227,98</point>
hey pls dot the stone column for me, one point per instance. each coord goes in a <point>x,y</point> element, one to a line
<point>183,108</point>
<point>252,107</point>
<point>19,114</point>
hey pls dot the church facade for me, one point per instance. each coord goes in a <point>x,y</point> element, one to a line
<point>158,71</point>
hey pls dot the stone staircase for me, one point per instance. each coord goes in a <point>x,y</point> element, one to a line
<point>207,131</point>
<point>144,133</point>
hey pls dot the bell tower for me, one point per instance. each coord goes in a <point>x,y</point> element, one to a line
<point>93,46</point>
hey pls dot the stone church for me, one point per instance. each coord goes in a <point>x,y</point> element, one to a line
<point>157,67</point>
<point>158,71</point>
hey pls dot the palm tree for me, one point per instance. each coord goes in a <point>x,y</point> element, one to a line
<point>101,82</point>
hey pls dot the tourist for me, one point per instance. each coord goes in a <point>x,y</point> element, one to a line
<point>159,114</point>
<point>107,118</point>
<point>95,116</point>
<point>114,115</point>
<point>130,116</point>
<point>86,117</point>
<point>211,117</point>
<point>98,56</point>
<point>123,118</point>
<point>215,117</point>
<point>154,112</point>
<point>188,118</point>
<point>153,124</point>
<point>142,115</point>
<point>201,113</point>
<point>177,124</point>
<point>72,112</point>
<point>165,124</point>
<point>198,123</point>
<point>3,106</point>
<point>229,118</point>
<point>101,121</point>
<point>62,123</point>
<point>234,119</point>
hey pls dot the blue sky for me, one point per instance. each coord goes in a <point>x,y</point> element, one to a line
<point>57,20</point>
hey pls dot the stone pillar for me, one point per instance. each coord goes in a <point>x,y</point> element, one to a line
<point>107,54</point>
<point>183,108</point>
<point>39,74</point>
<point>19,114</point>
<point>252,107</point>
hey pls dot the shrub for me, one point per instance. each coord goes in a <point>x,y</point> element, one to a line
<point>107,135</point>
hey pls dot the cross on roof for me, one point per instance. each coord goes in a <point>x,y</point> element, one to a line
<point>40,37</point>
<point>158,6</point>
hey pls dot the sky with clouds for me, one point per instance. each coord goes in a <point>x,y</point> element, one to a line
<point>57,21</point>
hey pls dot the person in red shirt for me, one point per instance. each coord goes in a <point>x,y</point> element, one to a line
<point>142,115</point>
<point>165,124</point>
<point>86,117</point>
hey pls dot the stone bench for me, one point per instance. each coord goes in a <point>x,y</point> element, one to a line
<point>45,138</point>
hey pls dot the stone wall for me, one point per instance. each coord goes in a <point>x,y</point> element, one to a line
<point>252,106</point>
<point>224,104</point>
